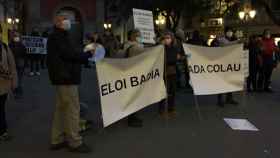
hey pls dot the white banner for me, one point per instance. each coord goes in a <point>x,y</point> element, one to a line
<point>216,70</point>
<point>144,21</point>
<point>129,85</point>
<point>35,45</point>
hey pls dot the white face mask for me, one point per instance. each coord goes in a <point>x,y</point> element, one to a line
<point>17,39</point>
<point>66,25</point>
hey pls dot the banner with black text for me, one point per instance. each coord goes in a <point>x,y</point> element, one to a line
<point>216,70</point>
<point>129,85</point>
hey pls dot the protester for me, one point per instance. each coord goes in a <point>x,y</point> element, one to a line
<point>8,82</point>
<point>134,47</point>
<point>64,65</point>
<point>227,39</point>
<point>110,44</point>
<point>43,60</point>
<point>35,58</point>
<point>183,63</point>
<point>269,49</point>
<point>254,60</point>
<point>172,54</point>
<point>19,52</point>
<point>197,40</point>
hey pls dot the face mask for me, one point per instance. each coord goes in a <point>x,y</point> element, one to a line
<point>66,25</point>
<point>16,39</point>
<point>229,34</point>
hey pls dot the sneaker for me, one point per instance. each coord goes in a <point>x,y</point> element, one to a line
<point>232,102</point>
<point>83,148</point>
<point>135,122</point>
<point>38,73</point>
<point>5,137</point>
<point>31,74</point>
<point>55,147</point>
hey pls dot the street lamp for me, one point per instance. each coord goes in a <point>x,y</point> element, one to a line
<point>13,21</point>
<point>247,13</point>
<point>161,20</point>
<point>107,26</point>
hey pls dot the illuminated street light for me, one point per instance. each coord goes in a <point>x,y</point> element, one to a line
<point>17,20</point>
<point>241,15</point>
<point>252,14</point>
<point>247,13</point>
<point>161,20</point>
<point>9,20</point>
<point>107,26</point>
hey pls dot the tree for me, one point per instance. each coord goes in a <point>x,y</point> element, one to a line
<point>269,10</point>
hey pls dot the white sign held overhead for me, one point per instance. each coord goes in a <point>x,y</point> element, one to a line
<point>144,21</point>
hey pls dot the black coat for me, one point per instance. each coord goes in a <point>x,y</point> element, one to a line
<point>19,51</point>
<point>63,60</point>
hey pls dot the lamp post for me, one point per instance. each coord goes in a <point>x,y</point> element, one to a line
<point>160,21</point>
<point>247,13</point>
<point>13,22</point>
<point>107,26</point>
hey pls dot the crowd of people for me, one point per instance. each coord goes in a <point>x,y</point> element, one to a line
<point>64,65</point>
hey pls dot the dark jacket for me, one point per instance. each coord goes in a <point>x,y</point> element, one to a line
<point>171,53</point>
<point>19,52</point>
<point>63,60</point>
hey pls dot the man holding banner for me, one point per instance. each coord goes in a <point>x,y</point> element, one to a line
<point>134,47</point>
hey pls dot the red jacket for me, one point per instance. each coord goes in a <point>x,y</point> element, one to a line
<point>268,47</point>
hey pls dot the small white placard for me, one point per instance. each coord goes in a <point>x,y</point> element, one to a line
<point>240,124</point>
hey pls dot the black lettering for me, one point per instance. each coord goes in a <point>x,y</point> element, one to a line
<point>119,85</point>
<point>216,68</point>
<point>143,79</point>
<point>149,76</point>
<point>223,69</point>
<point>157,74</point>
<point>210,68</point>
<point>237,68</point>
<point>191,69</point>
<point>134,81</point>
<point>110,89</point>
<point>104,89</point>
<point>229,68</point>
<point>124,83</point>
<point>202,69</point>
<point>196,69</point>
